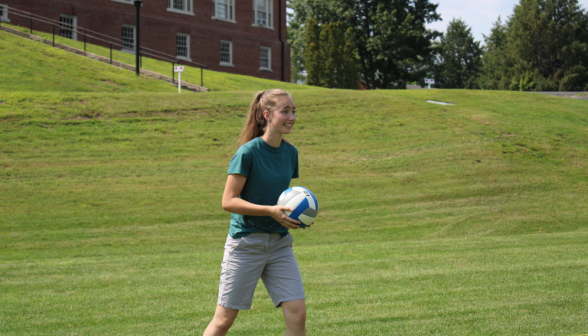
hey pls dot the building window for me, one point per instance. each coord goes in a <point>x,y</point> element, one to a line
<point>265,58</point>
<point>223,9</point>
<point>226,53</point>
<point>128,37</point>
<point>180,6</point>
<point>67,26</point>
<point>183,46</point>
<point>262,13</point>
<point>130,2</point>
<point>4,13</point>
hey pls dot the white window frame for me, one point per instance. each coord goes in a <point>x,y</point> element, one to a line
<point>187,57</point>
<point>257,17</point>
<point>128,2</point>
<point>4,16</point>
<point>269,59</point>
<point>188,5</point>
<point>230,64</point>
<point>74,33</point>
<point>125,49</point>
<point>230,11</point>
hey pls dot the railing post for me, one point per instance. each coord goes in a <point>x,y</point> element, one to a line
<point>173,72</point>
<point>31,25</point>
<point>201,76</point>
<point>85,40</point>
<point>138,41</point>
<point>111,53</point>
<point>54,35</point>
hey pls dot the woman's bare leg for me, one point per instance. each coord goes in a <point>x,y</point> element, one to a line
<point>222,321</point>
<point>295,316</point>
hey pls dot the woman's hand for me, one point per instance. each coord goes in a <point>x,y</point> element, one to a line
<point>277,213</point>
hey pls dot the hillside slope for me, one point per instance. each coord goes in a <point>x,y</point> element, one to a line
<point>26,65</point>
<point>214,80</point>
<point>493,163</point>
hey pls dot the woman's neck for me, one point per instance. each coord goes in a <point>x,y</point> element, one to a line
<point>272,139</point>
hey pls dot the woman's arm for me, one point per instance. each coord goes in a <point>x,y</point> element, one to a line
<point>232,203</point>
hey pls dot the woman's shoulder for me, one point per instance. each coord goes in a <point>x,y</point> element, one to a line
<point>249,147</point>
<point>258,145</point>
<point>290,145</point>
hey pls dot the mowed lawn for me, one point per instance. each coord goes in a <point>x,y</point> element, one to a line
<point>444,220</point>
<point>33,79</point>
<point>27,65</point>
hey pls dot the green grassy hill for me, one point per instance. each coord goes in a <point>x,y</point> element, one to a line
<point>435,219</point>
<point>214,80</point>
<point>27,65</point>
<point>449,220</point>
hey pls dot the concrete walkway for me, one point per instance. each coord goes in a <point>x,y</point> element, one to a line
<point>185,85</point>
<point>573,94</point>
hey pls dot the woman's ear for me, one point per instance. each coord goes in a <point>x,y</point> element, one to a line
<point>266,115</point>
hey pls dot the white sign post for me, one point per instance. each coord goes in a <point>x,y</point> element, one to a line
<point>429,81</point>
<point>179,70</point>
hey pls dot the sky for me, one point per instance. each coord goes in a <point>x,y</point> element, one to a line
<point>478,15</point>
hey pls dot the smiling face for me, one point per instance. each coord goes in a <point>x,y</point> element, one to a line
<point>283,116</point>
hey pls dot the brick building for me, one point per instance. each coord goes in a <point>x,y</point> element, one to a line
<point>245,37</point>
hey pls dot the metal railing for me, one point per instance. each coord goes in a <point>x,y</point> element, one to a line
<point>108,40</point>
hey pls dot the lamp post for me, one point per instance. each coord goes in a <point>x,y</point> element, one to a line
<point>137,44</point>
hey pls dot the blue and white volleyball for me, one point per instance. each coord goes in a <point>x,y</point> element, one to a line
<point>303,202</point>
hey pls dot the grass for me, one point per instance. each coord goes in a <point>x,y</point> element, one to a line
<point>26,65</point>
<point>464,219</point>
<point>214,80</point>
<point>446,220</point>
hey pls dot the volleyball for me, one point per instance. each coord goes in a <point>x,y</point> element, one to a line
<point>303,202</point>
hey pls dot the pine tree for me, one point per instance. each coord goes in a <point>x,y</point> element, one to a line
<point>313,66</point>
<point>332,43</point>
<point>321,11</point>
<point>331,60</point>
<point>338,43</point>
<point>460,57</point>
<point>350,69</point>
<point>547,42</point>
<point>328,51</point>
<point>494,71</point>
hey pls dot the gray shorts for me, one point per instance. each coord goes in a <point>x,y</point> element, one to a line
<point>259,255</point>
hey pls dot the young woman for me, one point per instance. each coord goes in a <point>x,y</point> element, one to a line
<point>258,244</point>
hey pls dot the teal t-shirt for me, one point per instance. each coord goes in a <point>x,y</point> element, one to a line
<point>269,171</point>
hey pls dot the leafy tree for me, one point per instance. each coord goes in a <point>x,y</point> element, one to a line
<point>459,57</point>
<point>391,38</point>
